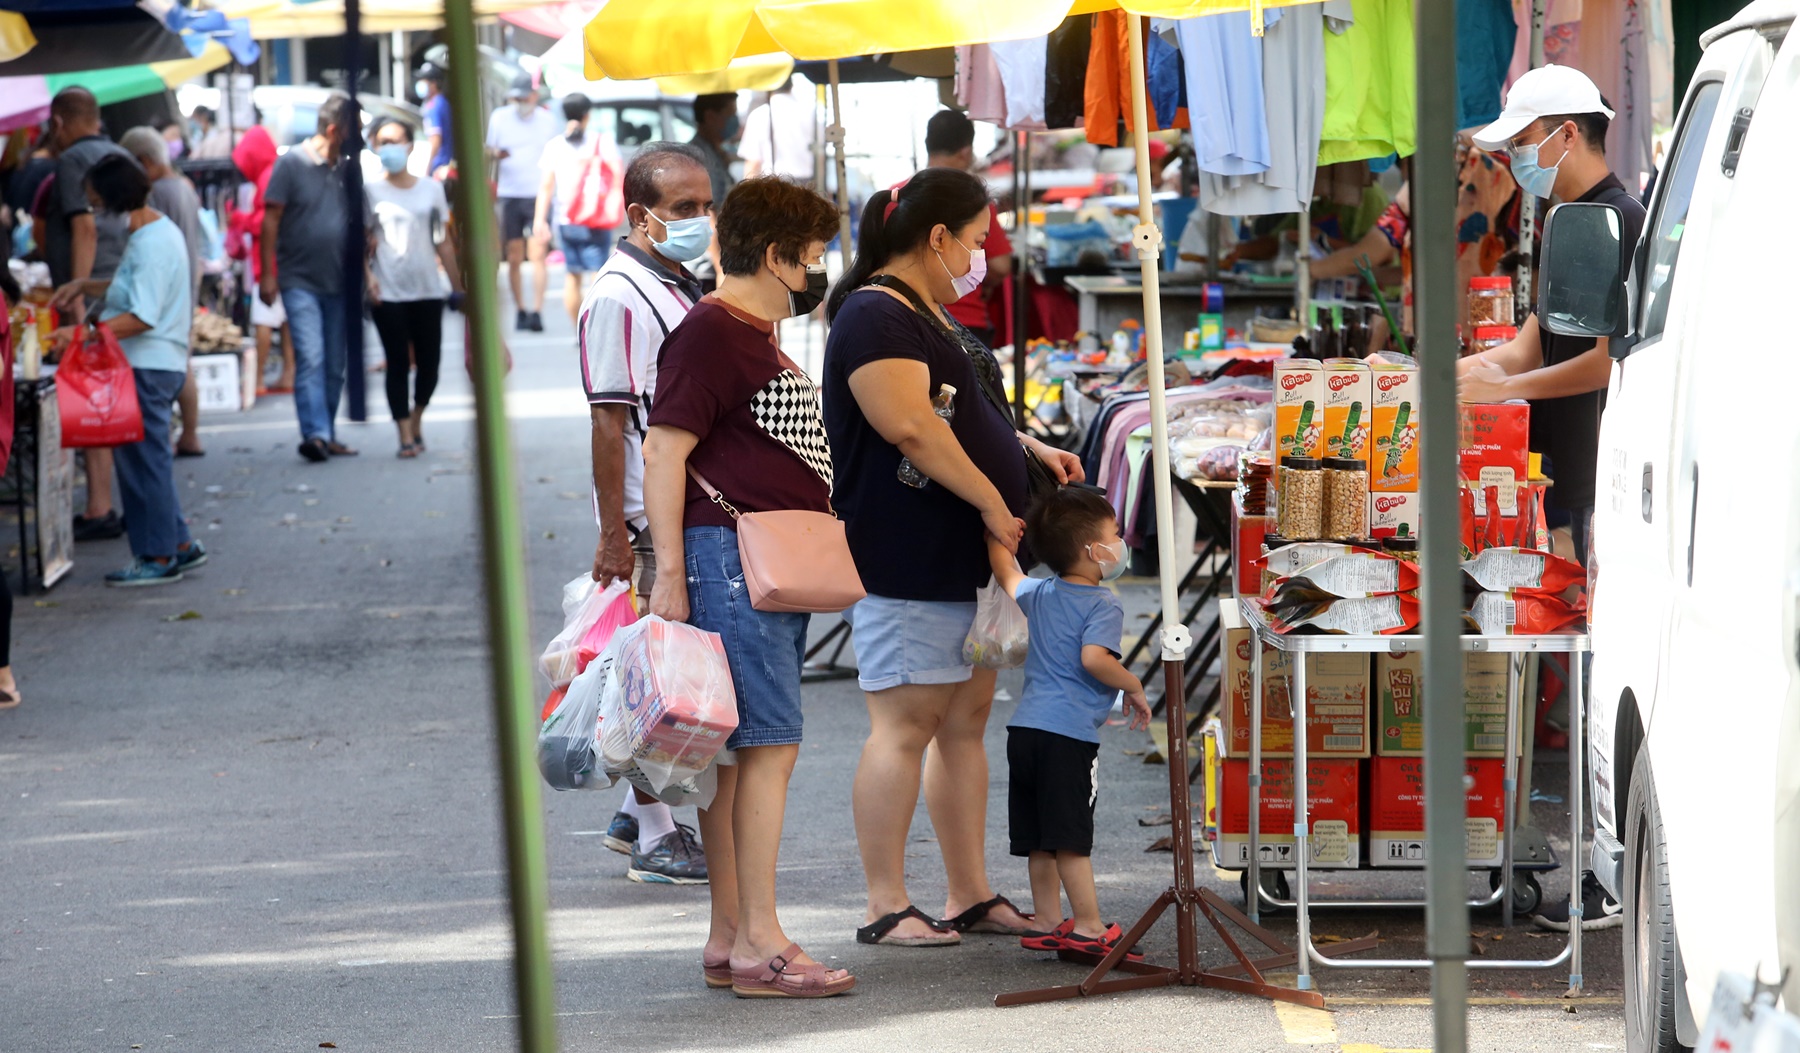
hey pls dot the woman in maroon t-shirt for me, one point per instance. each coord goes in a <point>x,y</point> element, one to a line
<point>731,407</point>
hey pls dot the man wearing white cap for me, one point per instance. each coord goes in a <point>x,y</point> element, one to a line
<point>1553,133</point>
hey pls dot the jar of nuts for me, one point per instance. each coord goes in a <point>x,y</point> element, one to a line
<point>1346,498</point>
<point>1491,301</point>
<point>1300,499</point>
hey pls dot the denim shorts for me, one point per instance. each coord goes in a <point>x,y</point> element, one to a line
<point>765,648</point>
<point>584,249</point>
<point>901,642</point>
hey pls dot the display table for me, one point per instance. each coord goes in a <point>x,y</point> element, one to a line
<point>40,487</point>
<point>1515,646</point>
<point>1104,301</point>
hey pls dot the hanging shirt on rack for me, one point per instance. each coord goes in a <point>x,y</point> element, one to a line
<point>1370,92</point>
<point>978,85</point>
<point>1065,71</point>
<point>1108,95</point>
<point>1485,35</point>
<point>1021,67</point>
<point>1224,64</point>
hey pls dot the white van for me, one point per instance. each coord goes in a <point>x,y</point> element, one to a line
<point>1695,719</point>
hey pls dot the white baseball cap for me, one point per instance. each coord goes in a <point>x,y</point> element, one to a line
<point>1548,91</point>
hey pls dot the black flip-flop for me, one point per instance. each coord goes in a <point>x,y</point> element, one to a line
<point>315,451</point>
<point>975,919</point>
<point>877,931</point>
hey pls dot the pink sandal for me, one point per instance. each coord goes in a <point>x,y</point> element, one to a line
<point>718,974</point>
<point>779,977</point>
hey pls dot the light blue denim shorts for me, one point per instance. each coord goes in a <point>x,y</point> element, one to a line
<point>763,648</point>
<point>901,642</point>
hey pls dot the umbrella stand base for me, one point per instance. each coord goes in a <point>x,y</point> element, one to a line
<point>1245,974</point>
<point>813,669</point>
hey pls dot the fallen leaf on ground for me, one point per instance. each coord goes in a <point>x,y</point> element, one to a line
<point>184,616</point>
<point>1162,844</point>
<point>1155,820</point>
<point>1155,757</point>
<point>45,603</point>
<point>1135,753</point>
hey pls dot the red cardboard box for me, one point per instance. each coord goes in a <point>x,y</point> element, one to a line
<point>1495,445</point>
<point>1334,819</point>
<point>1397,811</point>
<point>1247,535</point>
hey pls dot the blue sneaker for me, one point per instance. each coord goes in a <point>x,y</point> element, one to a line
<point>145,572</point>
<point>195,556</point>
<point>677,859</point>
<point>622,833</point>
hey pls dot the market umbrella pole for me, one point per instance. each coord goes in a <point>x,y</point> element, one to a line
<point>503,553</point>
<point>356,379</point>
<point>835,135</point>
<point>1440,587</point>
<point>1187,898</point>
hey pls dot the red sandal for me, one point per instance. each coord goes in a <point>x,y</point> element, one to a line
<point>1054,940</point>
<point>1100,946</point>
<point>780,977</point>
<point>718,974</point>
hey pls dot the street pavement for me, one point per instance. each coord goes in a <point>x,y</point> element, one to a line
<point>258,810</point>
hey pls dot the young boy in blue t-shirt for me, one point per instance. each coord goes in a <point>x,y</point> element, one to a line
<point>1072,675</point>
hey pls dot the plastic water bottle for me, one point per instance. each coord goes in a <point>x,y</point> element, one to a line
<point>944,405</point>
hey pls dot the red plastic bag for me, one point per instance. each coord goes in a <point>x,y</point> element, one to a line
<point>96,393</point>
<point>598,202</point>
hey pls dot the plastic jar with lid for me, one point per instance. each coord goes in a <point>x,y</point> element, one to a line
<point>1491,301</point>
<point>1346,498</point>
<point>1301,499</point>
<point>1488,337</point>
<point>1402,546</point>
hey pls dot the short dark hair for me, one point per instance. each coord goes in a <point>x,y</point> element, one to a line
<point>385,121</point>
<point>705,104</point>
<point>75,103</point>
<point>949,132</point>
<point>119,183</point>
<point>1592,126</point>
<point>203,113</point>
<point>643,185</point>
<point>770,210</point>
<point>1063,522</point>
<point>949,196</point>
<point>337,111</point>
<point>576,106</point>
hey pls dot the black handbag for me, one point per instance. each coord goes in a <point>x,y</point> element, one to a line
<point>1039,478</point>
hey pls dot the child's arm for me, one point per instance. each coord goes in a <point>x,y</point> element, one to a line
<point>1006,567</point>
<point>1106,668</point>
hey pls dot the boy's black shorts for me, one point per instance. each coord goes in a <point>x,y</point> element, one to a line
<point>1050,800</point>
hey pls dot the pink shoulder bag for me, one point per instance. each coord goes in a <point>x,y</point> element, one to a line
<point>795,562</point>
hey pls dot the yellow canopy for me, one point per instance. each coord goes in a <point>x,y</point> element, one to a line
<point>635,39</point>
<point>180,71</point>
<point>276,19</point>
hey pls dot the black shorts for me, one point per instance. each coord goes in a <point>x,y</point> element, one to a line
<point>1050,801</point>
<point>516,214</point>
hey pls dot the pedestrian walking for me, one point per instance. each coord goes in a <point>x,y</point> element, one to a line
<point>147,305</point>
<point>82,243</point>
<point>638,296</point>
<point>406,288</point>
<point>516,137</point>
<point>304,219</point>
<point>581,198</point>
<point>732,408</point>
<point>9,295</point>
<point>173,196</point>
<point>255,156</point>
<point>919,548</point>
<point>436,108</point>
<point>1072,676</point>
<point>780,135</point>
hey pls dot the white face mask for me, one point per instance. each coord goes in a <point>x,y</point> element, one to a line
<point>1110,557</point>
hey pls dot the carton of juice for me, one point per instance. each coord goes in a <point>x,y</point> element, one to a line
<point>1393,515</point>
<point>1394,453</point>
<point>1299,408</point>
<point>1348,408</point>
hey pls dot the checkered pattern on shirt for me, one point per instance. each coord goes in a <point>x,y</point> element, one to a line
<point>787,408</point>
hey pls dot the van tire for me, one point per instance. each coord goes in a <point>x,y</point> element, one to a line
<point>1652,957</point>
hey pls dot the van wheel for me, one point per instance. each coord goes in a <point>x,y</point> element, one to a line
<point>1651,955</point>
<point>1274,882</point>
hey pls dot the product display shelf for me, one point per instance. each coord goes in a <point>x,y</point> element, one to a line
<point>1303,904</point>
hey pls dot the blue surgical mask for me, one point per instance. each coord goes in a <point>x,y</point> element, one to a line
<point>393,156</point>
<point>1533,178</point>
<point>732,127</point>
<point>1111,559</point>
<point>685,239</point>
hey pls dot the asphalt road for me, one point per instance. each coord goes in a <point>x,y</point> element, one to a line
<point>258,810</point>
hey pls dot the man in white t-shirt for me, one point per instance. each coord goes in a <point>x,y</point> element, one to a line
<point>640,295</point>
<point>516,137</point>
<point>779,137</point>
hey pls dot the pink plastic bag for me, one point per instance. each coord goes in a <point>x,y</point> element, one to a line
<point>667,706</point>
<point>590,616</point>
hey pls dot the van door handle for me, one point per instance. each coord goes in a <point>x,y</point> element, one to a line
<point>1644,496</point>
<point>1693,521</point>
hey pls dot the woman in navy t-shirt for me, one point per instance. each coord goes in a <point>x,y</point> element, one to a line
<point>918,531</point>
<point>732,407</point>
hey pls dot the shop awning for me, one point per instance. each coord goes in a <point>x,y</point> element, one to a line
<point>26,100</point>
<point>277,19</point>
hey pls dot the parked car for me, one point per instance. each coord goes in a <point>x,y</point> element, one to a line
<point>1694,726</point>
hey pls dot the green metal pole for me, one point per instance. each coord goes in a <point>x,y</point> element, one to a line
<point>1440,592</point>
<point>503,552</point>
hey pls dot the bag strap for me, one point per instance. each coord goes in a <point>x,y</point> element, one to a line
<point>956,334</point>
<point>717,498</point>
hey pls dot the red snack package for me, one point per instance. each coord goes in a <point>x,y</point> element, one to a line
<point>1369,615</point>
<point>1523,570</point>
<point>1522,614</point>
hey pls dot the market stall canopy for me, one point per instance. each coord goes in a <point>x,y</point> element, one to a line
<point>277,19</point>
<point>48,37</point>
<point>931,64</point>
<point>25,100</point>
<point>635,39</point>
<point>554,20</point>
<point>565,70</point>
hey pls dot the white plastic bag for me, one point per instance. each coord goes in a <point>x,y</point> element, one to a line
<point>568,741</point>
<point>666,708</point>
<point>584,602</point>
<point>1000,637</point>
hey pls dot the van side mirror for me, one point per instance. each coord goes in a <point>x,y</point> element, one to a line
<point>1583,272</point>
